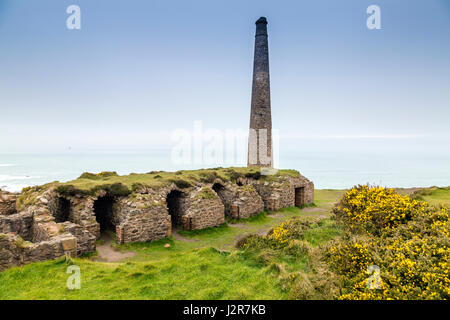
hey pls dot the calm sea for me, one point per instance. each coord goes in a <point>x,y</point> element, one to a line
<point>331,169</point>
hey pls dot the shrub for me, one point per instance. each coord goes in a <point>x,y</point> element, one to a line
<point>350,257</point>
<point>106,174</point>
<point>413,253</point>
<point>138,187</point>
<point>89,176</point>
<point>115,189</point>
<point>68,190</point>
<point>98,176</point>
<point>233,175</point>
<point>292,229</point>
<point>182,184</point>
<point>208,177</point>
<point>252,241</point>
<point>373,209</point>
<point>285,236</point>
<point>413,261</point>
<point>253,175</point>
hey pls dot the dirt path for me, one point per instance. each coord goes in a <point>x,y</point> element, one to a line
<point>106,252</point>
<point>179,237</point>
<point>237,225</point>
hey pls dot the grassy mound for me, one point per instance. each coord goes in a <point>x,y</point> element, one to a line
<point>89,183</point>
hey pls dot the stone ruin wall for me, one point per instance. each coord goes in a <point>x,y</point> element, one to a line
<point>281,193</point>
<point>204,213</point>
<point>143,217</point>
<point>140,217</point>
<point>7,203</point>
<point>246,203</point>
<point>240,201</point>
<point>33,235</point>
<point>15,252</point>
<point>19,223</point>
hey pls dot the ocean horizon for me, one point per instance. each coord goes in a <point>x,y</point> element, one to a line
<point>327,169</point>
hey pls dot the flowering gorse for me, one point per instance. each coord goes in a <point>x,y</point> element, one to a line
<point>373,209</point>
<point>408,240</point>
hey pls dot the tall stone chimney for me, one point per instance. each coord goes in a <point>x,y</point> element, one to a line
<point>260,133</point>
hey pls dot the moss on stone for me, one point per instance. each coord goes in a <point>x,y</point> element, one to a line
<point>27,198</point>
<point>20,243</point>
<point>248,188</point>
<point>62,229</point>
<point>205,193</point>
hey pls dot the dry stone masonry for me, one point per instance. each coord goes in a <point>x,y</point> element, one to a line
<point>45,223</point>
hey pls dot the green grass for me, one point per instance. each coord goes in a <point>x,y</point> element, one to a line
<point>188,275</point>
<point>188,268</point>
<point>183,178</point>
<point>435,195</point>
<point>185,270</point>
<point>201,264</point>
<point>205,265</point>
<point>212,231</point>
<point>325,231</point>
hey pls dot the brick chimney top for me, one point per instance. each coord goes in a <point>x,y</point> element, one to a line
<point>261,20</point>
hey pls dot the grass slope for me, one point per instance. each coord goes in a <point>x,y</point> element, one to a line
<point>434,195</point>
<point>197,265</point>
<point>185,270</point>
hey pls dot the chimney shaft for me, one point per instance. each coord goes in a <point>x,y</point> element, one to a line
<point>260,135</point>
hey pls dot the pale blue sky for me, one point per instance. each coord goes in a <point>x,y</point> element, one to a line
<point>137,70</point>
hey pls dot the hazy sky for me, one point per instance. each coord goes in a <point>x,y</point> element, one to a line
<point>140,69</point>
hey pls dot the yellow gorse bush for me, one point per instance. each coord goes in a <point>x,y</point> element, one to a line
<point>374,208</point>
<point>349,258</point>
<point>408,240</point>
<point>280,235</point>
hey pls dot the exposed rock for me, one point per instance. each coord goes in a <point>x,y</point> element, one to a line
<point>7,203</point>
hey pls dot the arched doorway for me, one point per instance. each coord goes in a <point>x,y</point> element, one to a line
<point>223,195</point>
<point>104,213</point>
<point>63,210</point>
<point>176,204</point>
<point>300,197</point>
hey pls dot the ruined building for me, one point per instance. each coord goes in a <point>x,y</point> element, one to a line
<point>50,221</point>
<point>57,219</point>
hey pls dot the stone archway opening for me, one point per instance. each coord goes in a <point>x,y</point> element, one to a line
<point>176,204</point>
<point>62,210</point>
<point>222,193</point>
<point>300,197</point>
<point>104,213</point>
<point>218,188</point>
